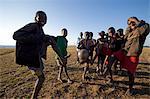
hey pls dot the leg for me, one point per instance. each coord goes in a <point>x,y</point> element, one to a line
<point>69,80</point>
<point>85,70</point>
<point>94,57</point>
<point>38,86</point>
<point>131,80</point>
<point>60,69</point>
<point>60,72</point>
<point>77,57</point>
<point>91,60</point>
<point>103,68</point>
<point>99,61</point>
<point>115,66</point>
<point>58,63</point>
<point>111,60</point>
<point>39,82</point>
<point>130,91</point>
<point>102,61</point>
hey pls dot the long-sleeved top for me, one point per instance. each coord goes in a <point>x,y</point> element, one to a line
<point>29,41</point>
<point>134,39</point>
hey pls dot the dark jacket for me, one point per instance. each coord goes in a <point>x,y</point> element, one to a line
<point>135,39</point>
<point>30,46</point>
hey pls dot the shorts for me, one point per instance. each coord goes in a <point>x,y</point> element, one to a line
<point>128,62</point>
<point>37,71</point>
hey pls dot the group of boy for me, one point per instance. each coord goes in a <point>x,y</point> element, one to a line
<point>32,43</point>
<point>117,46</point>
<point>31,49</point>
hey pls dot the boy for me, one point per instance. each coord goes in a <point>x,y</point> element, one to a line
<point>31,47</point>
<point>99,52</point>
<point>62,44</point>
<point>78,40</point>
<point>108,49</point>
<point>135,36</point>
<point>92,45</point>
<point>83,54</point>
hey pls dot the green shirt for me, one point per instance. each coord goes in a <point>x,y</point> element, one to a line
<point>62,43</point>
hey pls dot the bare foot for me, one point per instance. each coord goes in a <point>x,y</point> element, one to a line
<point>83,77</point>
<point>60,80</point>
<point>69,81</point>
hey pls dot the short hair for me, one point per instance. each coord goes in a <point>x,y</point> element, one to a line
<point>91,34</point>
<point>40,13</point>
<point>112,29</point>
<point>81,33</point>
<point>120,31</point>
<point>64,29</point>
<point>86,33</point>
<point>102,32</point>
<point>133,17</point>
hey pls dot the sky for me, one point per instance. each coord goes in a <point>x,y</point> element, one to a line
<point>74,15</point>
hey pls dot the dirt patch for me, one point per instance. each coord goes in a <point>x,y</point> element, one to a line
<point>18,82</point>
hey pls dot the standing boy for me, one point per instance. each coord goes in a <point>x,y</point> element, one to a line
<point>62,44</point>
<point>78,40</point>
<point>31,46</point>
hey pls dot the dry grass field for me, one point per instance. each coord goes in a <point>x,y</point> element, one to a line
<point>18,82</point>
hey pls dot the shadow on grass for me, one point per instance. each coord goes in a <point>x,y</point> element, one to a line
<point>145,90</point>
<point>77,68</point>
<point>139,74</point>
<point>144,63</point>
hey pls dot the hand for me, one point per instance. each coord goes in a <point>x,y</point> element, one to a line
<point>68,55</point>
<point>63,61</point>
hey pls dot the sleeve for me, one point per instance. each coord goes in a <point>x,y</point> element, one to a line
<point>53,43</point>
<point>79,45</point>
<point>144,29</point>
<point>26,34</point>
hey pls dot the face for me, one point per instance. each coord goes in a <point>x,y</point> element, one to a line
<point>110,33</point>
<point>41,19</point>
<point>101,34</point>
<point>64,33</point>
<point>86,35</point>
<point>132,24</point>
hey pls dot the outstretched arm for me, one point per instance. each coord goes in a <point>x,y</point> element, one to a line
<point>52,42</point>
